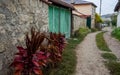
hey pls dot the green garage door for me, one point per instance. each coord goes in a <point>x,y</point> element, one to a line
<point>59,20</point>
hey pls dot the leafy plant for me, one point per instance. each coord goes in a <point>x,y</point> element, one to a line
<point>81,32</point>
<point>94,29</point>
<point>114,67</point>
<point>116,33</point>
<point>109,56</point>
<point>40,51</point>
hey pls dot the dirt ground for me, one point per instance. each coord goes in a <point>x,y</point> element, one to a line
<point>89,60</point>
<point>113,43</point>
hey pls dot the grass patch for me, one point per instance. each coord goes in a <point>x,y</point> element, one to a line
<point>116,33</point>
<point>101,44</point>
<point>114,68</point>
<point>109,56</point>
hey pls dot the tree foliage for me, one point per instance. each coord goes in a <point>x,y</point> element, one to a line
<point>98,18</point>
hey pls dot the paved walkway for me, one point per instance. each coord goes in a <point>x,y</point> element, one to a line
<point>89,60</point>
<point>113,43</point>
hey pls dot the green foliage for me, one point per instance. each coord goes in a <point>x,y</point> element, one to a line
<point>109,56</point>
<point>81,32</point>
<point>114,20</point>
<point>101,44</point>
<point>114,67</point>
<point>116,33</point>
<point>94,29</point>
<point>98,18</point>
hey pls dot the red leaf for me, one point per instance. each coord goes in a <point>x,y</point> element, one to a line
<point>17,58</point>
<point>37,71</point>
<point>20,48</point>
<point>36,63</point>
<point>40,55</point>
<point>22,51</point>
<point>19,67</point>
<point>48,54</point>
<point>17,73</point>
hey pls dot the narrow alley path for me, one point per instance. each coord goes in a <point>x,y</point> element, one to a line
<point>89,60</point>
<point>113,43</point>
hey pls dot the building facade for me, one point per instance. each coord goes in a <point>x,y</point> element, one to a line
<point>87,8</point>
<point>117,9</point>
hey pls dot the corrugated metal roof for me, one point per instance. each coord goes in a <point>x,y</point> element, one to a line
<point>117,6</point>
<point>79,2</point>
<point>62,3</point>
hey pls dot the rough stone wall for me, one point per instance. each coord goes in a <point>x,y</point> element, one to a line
<point>78,22</point>
<point>16,18</point>
<point>93,10</point>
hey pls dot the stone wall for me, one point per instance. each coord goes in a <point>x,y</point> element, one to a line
<point>78,22</point>
<point>16,18</point>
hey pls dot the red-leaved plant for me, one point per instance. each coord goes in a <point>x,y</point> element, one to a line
<point>32,59</point>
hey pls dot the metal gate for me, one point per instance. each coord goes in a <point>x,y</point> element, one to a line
<point>59,20</point>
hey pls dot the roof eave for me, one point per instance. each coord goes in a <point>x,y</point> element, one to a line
<point>59,2</point>
<point>117,6</point>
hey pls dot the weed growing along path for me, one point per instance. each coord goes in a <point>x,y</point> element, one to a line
<point>89,60</point>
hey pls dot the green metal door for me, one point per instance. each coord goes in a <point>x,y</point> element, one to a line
<point>59,20</point>
<point>65,23</point>
<point>89,22</point>
<point>53,19</point>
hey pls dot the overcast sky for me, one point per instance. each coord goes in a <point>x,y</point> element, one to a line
<point>107,5</point>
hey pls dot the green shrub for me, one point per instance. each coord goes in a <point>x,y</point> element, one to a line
<point>109,56</point>
<point>114,67</point>
<point>116,33</point>
<point>81,32</point>
<point>94,29</point>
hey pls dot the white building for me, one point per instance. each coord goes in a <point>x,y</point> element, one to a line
<point>117,8</point>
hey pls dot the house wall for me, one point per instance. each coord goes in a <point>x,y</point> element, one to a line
<point>118,19</point>
<point>93,9</point>
<point>16,18</point>
<point>78,22</point>
<point>87,10</point>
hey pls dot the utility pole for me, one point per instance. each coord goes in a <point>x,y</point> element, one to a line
<point>100,7</point>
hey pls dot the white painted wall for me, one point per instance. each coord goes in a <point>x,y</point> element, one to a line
<point>118,18</point>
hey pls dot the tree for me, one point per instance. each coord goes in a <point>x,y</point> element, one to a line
<point>114,20</point>
<point>98,18</point>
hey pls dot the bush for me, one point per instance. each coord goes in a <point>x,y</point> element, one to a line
<point>42,52</point>
<point>109,56</point>
<point>116,33</point>
<point>81,32</point>
<point>114,67</point>
<point>94,29</point>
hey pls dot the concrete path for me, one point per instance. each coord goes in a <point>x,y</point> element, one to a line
<point>113,43</point>
<point>89,60</point>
